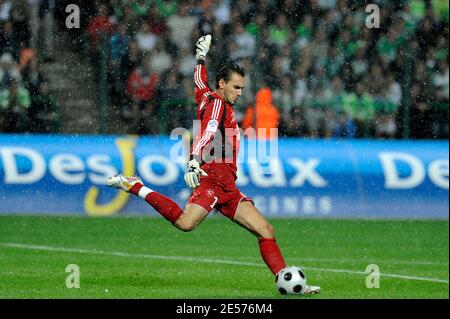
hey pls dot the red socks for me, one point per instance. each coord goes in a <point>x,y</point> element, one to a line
<point>162,204</point>
<point>271,254</point>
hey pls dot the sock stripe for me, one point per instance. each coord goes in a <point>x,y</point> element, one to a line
<point>144,191</point>
<point>136,188</point>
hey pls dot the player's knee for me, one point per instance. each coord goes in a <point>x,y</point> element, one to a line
<point>187,228</point>
<point>185,225</point>
<point>267,231</point>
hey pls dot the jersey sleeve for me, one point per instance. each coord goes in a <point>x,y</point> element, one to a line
<point>201,82</point>
<point>210,122</point>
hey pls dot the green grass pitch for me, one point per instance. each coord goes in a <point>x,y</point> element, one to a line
<point>143,257</point>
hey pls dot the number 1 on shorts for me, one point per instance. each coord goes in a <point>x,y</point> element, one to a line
<point>214,203</point>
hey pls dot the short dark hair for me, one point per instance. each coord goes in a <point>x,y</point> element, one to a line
<point>227,70</point>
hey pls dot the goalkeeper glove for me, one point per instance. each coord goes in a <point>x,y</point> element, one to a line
<point>202,47</point>
<point>192,175</point>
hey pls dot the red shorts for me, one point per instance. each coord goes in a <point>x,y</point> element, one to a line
<point>218,190</point>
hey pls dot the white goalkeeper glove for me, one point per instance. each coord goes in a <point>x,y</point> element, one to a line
<point>192,175</point>
<point>202,47</point>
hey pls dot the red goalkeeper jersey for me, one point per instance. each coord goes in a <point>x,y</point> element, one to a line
<point>217,141</point>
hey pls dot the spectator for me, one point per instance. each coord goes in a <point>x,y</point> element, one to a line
<point>275,76</point>
<point>388,45</point>
<point>421,115</point>
<point>32,77</point>
<point>244,41</point>
<point>301,89</point>
<point>14,103</point>
<point>334,62</point>
<point>319,45</point>
<point>173,100</point>
<point>8,71</point>
<point>9,43</point>
<point>263,116</point>
<point>141,8</point>
<point>142,89</point>
<point>279,31</point>
<point>440,10</point>
<point>166,8</point>
<point>98,27</point>
<point>118,45</point>
<point>46,10</point>
<point>221,9</point>
<point>207,22</point>
<point>440,81</point>
<point>118,9</point>
<point>256,27</point>
<point>283,95</point>
<point>187,62</point>
<point>5,10</point>
<point>296,125</point>
<point>393,91</point>
<point>160,60</point>
<point>44,111</point>
<point>359,64</point>
<point>345,127</point>
<point>157,25</point>
<point>286,59</point>
<point>304,32</point>
<point>440,107</point>
<point>145,39</point>
<point>143,82</point>
<point>248,95</point>
<point>360,106</point>
<point>130,61</point>
<point>172,88</point>
<point>181,26</point>
<point>329,123</point>
<point>333,94</point>
<point>385,126</point>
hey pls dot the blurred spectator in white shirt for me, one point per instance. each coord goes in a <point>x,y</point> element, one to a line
<point>245,43</point>
<point>440,81</point>
<point>145,39</point>
<point>181,25</point>
<point>187,62</point>
<point>160,60</point>
<point>5,10</point>
<point>8,71</point>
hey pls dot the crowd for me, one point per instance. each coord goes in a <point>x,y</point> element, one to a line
<point>328,74</point>
<point>25,102</point>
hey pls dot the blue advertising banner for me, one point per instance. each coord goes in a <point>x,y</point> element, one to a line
<point>342,178</point>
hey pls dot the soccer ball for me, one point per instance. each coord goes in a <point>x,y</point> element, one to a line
<point>291,281</point>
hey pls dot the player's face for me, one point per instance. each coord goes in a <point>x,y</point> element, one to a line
<point>232,89</point>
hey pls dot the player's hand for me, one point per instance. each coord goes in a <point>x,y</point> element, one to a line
<point>202,47</point>
<point>192,175</point>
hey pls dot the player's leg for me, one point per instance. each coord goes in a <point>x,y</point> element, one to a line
<point>186,220</point>
<point>249,217</point>
<point>192,216</point>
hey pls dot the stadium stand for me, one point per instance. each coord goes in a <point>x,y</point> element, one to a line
<point>330,75</point>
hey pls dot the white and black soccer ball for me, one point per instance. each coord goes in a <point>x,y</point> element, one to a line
<point>291,281</point>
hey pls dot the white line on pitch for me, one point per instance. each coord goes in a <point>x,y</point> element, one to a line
<point>204,260</point>
<point>384,261</point>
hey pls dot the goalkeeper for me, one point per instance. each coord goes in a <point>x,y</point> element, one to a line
<point>212,168</point>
